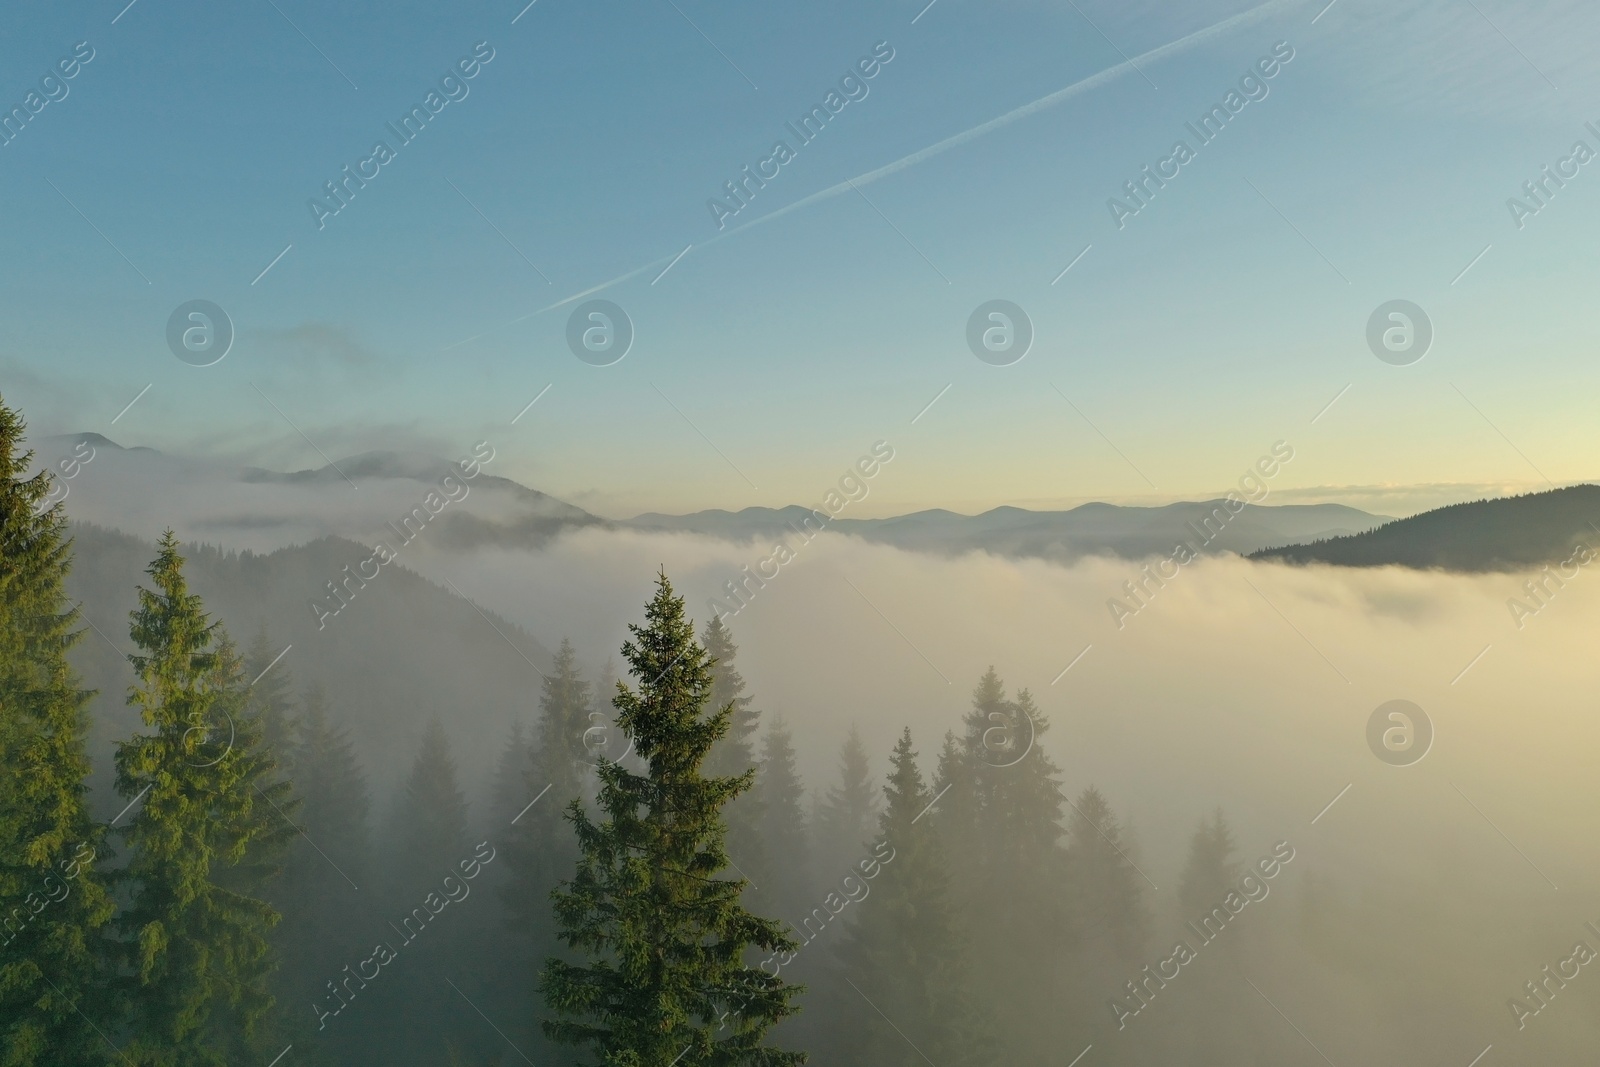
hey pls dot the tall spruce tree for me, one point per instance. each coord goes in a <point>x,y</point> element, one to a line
<point>53,903</point>
<point>321,891</point>
<point>848,814</point>
<point>1006,813</point>
<point>430,826</point>
<point>507,791</point>
<point>264,727</point>
<point>735,752</point>
<point>1210,871</point>
<point>270,698</point>
<point>1203,1016</point>
<point>665,979</point>
<point>1106,889</point>
<point>783,823</point>
<point>540,847</point>
<point>245,1025</point>
<point>1004,823</point>
<point>197,967</point>
<point>429,834</point>
<point>905,954</point>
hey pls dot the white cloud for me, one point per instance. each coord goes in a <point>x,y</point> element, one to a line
<point>1208,695</point>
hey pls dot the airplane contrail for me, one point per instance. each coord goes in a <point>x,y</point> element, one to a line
<point>1077,88</point>
<point>1093,81</point>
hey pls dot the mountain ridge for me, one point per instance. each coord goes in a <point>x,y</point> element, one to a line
<point>253,507</point>
<point>1095,528</point>
<point>1497,534</point>
<point>372,659</point>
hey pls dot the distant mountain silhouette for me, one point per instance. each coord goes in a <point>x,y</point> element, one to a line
<point>1511,533</point>
<point>1063,536</point>
<point>142,491</point>
<point>403,649</point>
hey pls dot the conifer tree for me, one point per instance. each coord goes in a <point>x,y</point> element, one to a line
<point>1107,890</point>
<point>956,782</point>
<point>664,978</point>
<point>197,952</point>
<point>961,782</point>
<point>783,823</point>
<point>1203,1014</point>
<point>1210,872</point>
<point>326,868</point>
<point>1007,806</point>
<point>507,793</point>
<point>427,834</point>
<point>540,847</point>
<point>735,752</point>
<point>905,953</point>
<point>1003,822</point>
<point>561,757</point>
<point>848,814</point>
<point>262,729</point>
<point>430,816</point>
<point>270,700</point>
<point>53,903</point>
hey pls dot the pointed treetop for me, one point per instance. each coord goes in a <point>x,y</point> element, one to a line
<point>14,459</point>
<point>990,690</point>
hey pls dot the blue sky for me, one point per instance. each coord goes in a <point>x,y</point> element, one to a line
<point>1221,318</point>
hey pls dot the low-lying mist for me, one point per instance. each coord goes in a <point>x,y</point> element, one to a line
<point>1232,684</point>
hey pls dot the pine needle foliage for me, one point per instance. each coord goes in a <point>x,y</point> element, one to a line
<point>664,939</point>
<point>209,802</point>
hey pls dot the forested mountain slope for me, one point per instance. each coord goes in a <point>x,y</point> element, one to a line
<point>1484,535</point>
<point>402,650</point>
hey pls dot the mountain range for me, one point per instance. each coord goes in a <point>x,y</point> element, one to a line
<point>1062,536</point>
<point>361,498</point>
<point>1507,534</point>
<point>405,648</point>
<point>403,651</point>
<point>142,491</point>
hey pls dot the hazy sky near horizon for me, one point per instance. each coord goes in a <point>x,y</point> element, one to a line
<point>1224,316</point>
